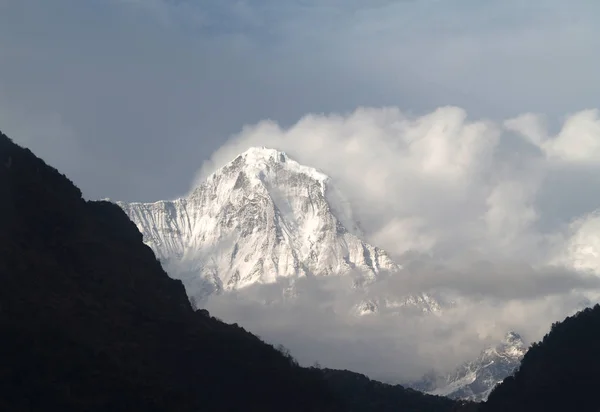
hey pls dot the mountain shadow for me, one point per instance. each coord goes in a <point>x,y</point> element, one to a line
<point>91,322</point>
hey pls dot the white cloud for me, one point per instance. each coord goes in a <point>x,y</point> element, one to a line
<point>511,210</point>
<point>439,183</point>
<point>415,182</point>
<point>319,325</point>
<point>577,142</point>
<point>457,201</point>
<point>582,245</point>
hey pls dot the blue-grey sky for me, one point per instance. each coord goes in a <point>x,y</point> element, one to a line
<point>130,97</point>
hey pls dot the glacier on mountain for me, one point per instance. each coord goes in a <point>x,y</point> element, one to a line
<point>260,218</point>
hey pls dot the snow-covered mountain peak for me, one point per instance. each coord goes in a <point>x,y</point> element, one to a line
<point>512,338</point>
<point>261,165</point>
<point>260,217</point>
<point>258,155</point>
<point>513,345</point>
<point>263,159</point>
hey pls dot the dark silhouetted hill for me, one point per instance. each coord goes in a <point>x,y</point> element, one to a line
<point>91,322</point>
<point>359,393</point>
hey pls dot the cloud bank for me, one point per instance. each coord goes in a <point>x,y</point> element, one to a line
<point>319,325</point>
<point>462,204</point>
<point>442,183</point>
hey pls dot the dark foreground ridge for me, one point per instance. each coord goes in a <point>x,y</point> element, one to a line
<point>359,393</point>
<point>91,322</point>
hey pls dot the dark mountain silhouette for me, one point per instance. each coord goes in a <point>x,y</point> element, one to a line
<point>91,322</point>
<point>560,373</point>
<point>359,393</point>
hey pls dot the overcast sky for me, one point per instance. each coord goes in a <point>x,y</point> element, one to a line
<point>466,131</point>
<point>130,97</point>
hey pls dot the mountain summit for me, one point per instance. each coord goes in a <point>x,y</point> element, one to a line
<point>261,217</point>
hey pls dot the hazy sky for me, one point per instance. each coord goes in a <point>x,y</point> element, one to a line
<point>129,97</point>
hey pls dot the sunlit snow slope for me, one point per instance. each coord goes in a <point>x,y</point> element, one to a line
<point>260,217</point>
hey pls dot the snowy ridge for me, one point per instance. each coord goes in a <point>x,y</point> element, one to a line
<point>475,379</point>
<point>261,217</point>
<point>421,303</point>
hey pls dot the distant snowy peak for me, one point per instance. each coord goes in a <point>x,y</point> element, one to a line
<point>420,303</point>
<point>512,346</point>
<point>260,217</point>
<point>475,380</point>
